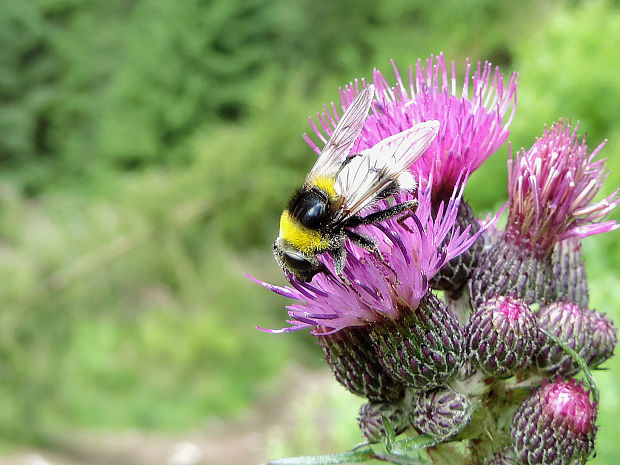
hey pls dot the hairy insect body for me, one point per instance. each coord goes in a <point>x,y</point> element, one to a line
<point>327,185</point>
<point>321,215</point>
<point>307,240</point>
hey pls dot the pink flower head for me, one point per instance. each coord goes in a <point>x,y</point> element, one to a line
<point>472,127</point>
<point>551,189</point>
<point>568,403</point>
<point>414,249</point>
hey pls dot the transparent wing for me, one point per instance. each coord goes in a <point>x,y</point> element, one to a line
<point>368,174</point>
<point>344,136</point>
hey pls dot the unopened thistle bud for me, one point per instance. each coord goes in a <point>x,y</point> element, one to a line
<point>372,418</point>
<point>501,336</point>
<point>555,425</point>
<point>604,338</point>
<point>569,323</point>
<point>441,413</point>
<point>422,349</point>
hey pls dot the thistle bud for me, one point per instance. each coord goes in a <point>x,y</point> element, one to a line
<point>422,349</point>
<point>371,420</point>
<point>604,338</point>
<point>441,413</point>
<point>555,425</point>
<point>351,358</point>
<point>569,323</point>
<point>501,336</point>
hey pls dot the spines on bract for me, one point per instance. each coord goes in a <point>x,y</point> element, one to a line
<point>351,358</point>
<point>555,425</point>
<point>501,336</point>
<point>440,413</point>
<point>604,338</point>
<point>454,274</point>
<point>423,348</point>
<point>372,416</point>
<point>512,268</point>
<point>569,323</point>
<point>570,272</point>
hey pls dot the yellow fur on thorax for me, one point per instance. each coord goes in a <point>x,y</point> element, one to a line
<point>326,184</point>
<point>307,240</point>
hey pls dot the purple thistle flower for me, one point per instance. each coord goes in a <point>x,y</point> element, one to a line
<point>551,189</point>
<point>472,127</point>
<point>414,250</point>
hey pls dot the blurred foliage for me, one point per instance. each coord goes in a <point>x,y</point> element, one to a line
<point>147,151</point>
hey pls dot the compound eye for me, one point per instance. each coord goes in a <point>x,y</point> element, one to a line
<point>297,263</point>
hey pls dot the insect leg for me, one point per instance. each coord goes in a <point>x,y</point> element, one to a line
<point>410,206</point>
<point>369,244</point>
<point>339,255</point>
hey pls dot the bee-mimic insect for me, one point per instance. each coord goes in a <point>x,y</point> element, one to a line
<point>322,214</point>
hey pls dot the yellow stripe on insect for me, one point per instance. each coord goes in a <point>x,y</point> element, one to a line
<point>307,240</point>
<point>326,184</point>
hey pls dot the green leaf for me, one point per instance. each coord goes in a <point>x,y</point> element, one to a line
<point>390,435</point>
<point>411,444</point>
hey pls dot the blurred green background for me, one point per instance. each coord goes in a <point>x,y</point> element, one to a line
<point>147,150</point>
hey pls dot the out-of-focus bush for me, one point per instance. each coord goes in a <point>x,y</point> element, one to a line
<point>127,84</point>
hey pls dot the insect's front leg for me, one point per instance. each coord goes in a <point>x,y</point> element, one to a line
<point>408,207</point>
<point>339,255</point>
<point>369,244</point>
